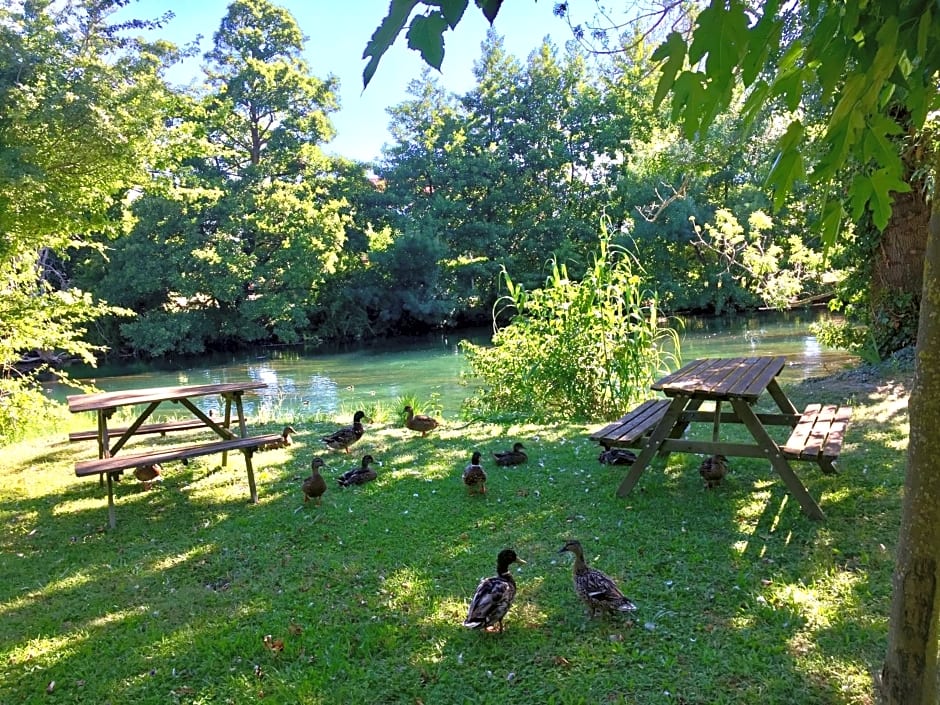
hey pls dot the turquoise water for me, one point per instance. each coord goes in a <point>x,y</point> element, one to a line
<point>342,380</point>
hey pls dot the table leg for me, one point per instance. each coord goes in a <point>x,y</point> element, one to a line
<point>112,520</point>
<point>251,475</point>
<point>783,402</point>
<point>779,463</point>
<point>663,429</point>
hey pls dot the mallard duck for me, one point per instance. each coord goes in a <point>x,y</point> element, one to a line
<point>346,436</point>
<point>360,475</point>
<point>616,456</point>
<point>283,442</point>
<point>421,422</point>
<point>474,475</point>
<point>516,456</point>
<point>595,588</point>
<point>494,595</point>
<point>314,486</point>
<point>148,474</point>
<point>713,469</point>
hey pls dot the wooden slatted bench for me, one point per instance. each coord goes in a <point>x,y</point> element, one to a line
<point>108,466</point>
<point>161,428</point>
<point>818,435</point>
<point>628,431</point>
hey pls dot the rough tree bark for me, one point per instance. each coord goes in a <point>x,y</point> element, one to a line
<point>909,675</point>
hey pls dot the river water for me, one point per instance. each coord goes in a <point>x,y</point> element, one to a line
<point>302,382</point>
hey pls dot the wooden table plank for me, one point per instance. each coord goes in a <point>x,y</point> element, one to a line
<point>109,400</point>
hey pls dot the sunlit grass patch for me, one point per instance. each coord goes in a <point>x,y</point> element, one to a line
<point>198,596</point>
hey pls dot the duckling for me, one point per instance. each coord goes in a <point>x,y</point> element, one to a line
<point>516,456</point>
<point>283,442</point>
<point>421,422</point>
<point>494,595</point>
<point>148,474</point>
<point>474,475</point>
<point>346,436</point>
<point>595,588</point>
<point>713,469</point>
<point>616,456</point>
<point>360,475</point>
<point>314,486</point>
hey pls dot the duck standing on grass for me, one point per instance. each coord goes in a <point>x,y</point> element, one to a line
<point>148,474</point>
<point>360,475</point>
<point>595,588</point>
<point>494,595</point>
<point>713,470</point>
<point>314,486</point>
<point>420,422</point>
<point>516,456</point>
<point>474,475</point>
<point>346,436</point>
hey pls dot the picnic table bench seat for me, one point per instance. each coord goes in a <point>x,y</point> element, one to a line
<point>162,428</point>
<point>126,462</point>
<point>629,430</point>
<point>818,435</point>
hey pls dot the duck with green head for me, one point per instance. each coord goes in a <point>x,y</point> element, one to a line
<point>494,595</point>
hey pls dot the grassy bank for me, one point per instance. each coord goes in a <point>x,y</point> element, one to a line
<point>199,597</point>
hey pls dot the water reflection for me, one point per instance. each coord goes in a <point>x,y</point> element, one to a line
<point>343,379</point>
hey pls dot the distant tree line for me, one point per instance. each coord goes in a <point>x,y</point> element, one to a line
<point>148,220</point>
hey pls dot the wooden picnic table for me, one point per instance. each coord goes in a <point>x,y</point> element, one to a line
<point>110,459</point>
<point>658,426</point>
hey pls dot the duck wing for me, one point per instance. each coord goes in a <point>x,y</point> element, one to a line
<point>490,603</point>
<point>596,586</point>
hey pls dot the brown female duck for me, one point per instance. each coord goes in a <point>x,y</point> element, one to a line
<point>713,470</point>
<point>420,422</point>
<point>314,486</point>
<point>595,588</point>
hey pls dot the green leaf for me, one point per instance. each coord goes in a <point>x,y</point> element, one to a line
<point>831,222</point>
<point>687,102</point>
<point>706,37</point>
<point>426,35</point>
<point>860,192</point>
<point>756,99</point>
<point>884,182</point>
<point>788,167</point>
<point>490,8</point>
<point>790,87</point>
<point>924,31</point>
<point>851,93</point>
<point>385,35</point>
<point>453,11</point>
<point>673,52</point>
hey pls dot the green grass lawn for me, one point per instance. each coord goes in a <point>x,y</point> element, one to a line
<point>199,597</point>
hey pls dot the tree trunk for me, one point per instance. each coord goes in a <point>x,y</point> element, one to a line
<point>909,676</point>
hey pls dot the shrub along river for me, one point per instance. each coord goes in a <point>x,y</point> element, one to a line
<point>302,382</point>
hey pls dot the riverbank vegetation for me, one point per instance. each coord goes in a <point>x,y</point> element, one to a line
<point>198,596</point>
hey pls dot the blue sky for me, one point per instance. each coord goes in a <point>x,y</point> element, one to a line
<point>338,31</point>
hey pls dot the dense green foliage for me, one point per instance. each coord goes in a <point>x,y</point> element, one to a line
<point>81,111</point>
<point>585,349</point>
<point>243,231</point>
